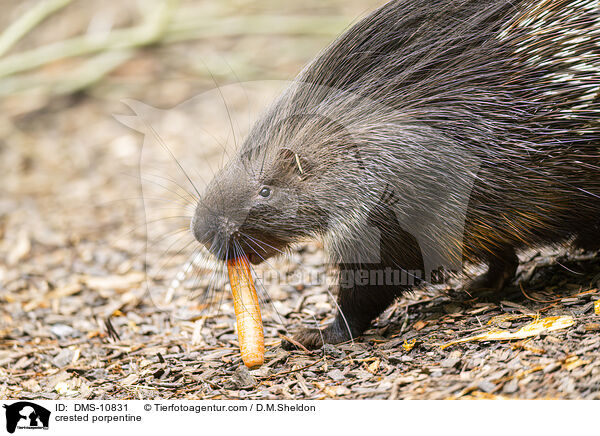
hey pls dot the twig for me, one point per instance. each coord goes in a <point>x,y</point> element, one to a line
<point>279,374</point>
<point>296,343</point>
<point>159,27</point>
<point>537,299</point>
<point>28,21</point>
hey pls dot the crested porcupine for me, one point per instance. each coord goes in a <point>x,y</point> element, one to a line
<point>432,132</point>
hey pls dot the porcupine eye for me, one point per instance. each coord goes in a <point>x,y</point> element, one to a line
<point>265,192</point>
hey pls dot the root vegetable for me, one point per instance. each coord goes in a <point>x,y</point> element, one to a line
<point>247,312</point>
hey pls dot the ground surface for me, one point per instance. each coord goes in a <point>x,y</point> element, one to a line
<point>77,261</point>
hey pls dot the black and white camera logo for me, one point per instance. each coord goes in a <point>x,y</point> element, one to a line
<point>26,415</point>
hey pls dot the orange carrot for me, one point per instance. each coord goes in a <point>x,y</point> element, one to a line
<point>247,312</point>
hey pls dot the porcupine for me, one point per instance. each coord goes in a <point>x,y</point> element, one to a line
<point>424,117</point>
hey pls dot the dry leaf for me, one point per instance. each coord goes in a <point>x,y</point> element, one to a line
<point>333,391</point>
<point>550,323</point>
<point>574,362</point>
<point>63,388</point>
<point>373,367</point>
<point>597,307</point>
<point>409,345</point>
<point>419,325</point>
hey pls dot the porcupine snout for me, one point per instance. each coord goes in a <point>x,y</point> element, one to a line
<point>215,231</point>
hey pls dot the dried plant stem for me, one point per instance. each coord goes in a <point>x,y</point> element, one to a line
<point>28,21</point>
<point>189,28</point>
<point>160,28</point>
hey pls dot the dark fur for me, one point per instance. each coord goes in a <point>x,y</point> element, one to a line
<point>438,102</point>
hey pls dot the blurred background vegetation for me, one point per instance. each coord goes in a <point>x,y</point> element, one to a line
<point>66,66</point>
<point>113,49</point>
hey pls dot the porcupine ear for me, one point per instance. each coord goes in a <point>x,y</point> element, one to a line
<point>292,163</point>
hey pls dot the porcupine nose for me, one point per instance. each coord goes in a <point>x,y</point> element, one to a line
<point>213,231</point>
<point>201,230</point>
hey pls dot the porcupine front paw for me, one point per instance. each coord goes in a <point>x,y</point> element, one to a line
<point>316,338</point>
<point>500,272</point>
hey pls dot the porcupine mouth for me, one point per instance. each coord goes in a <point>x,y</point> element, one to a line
<point>255,255</point>
<point>258,255</point>
<point>256,259</point>
<point>257,248</point>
